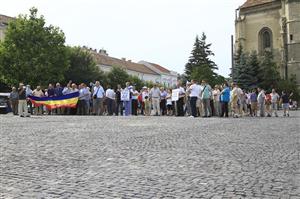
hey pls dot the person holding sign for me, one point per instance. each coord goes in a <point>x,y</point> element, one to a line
<point>125,97</point>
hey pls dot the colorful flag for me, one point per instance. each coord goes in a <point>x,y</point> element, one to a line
<point>69,100</point>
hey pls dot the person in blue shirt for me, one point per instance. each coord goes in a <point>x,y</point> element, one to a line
<point>225,98</point>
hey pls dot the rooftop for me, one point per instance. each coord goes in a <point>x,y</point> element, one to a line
<point>5,19</point>
<point>252,3</point>
<point>125,64</point>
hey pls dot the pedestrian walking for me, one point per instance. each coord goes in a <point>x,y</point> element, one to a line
<point>285,103</point>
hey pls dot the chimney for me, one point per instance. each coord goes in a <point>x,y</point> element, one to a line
<point>103,52</point>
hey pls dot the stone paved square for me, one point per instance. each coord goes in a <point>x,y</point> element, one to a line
<point>149,157</point>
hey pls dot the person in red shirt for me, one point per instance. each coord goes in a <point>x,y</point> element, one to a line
<point>268,102</point>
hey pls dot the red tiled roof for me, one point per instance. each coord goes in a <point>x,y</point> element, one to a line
<point>6,19</point>
<point>251,3</point>
<point>160,68</point>
<point>129,65</point>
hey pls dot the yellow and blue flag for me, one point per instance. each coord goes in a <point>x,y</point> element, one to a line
<point>69,100</point>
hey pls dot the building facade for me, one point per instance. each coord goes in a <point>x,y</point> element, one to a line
<point>4,20</point>
<point>272,25</point>
<point>167,78</point>
<point>106,63</point>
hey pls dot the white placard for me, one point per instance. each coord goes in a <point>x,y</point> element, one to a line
<point>175,94</point>
<point>125,95</point>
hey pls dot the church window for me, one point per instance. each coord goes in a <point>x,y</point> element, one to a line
<point>291,37</point>
<point>265,40</point>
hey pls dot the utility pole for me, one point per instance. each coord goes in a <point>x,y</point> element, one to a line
<point>232,59</point>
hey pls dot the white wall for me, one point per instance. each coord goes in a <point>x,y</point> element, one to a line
<point>142,76</point>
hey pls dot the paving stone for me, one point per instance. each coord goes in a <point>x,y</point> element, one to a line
<point>149,157</point>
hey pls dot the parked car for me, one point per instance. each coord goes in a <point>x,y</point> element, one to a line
<point>4,103</point>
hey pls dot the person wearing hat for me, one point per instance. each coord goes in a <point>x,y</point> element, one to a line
<point>23,110</point>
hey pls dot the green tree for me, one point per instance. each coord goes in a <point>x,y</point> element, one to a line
<point>137,82</point>
<point>237,58</point>
<point>268,73</point>
<point>289,86</point>
<point>82,67</point>
<point>253,68</point>
<point>33,52</point>
<point>199,65</point>
<point>117,76</point>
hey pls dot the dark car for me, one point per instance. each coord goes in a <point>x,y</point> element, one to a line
<point>4,103</point>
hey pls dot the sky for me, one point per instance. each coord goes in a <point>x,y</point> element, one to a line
<point>158,31</point>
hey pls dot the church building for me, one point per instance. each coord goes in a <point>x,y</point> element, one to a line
<point>272,25</point>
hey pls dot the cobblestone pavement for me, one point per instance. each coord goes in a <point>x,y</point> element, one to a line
<point>149,157</point>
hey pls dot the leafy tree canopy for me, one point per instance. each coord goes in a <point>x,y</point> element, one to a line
<point>33,52</point>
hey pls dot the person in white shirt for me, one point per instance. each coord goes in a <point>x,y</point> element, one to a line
<point>194,93</point>
<point>134,101</point>
<point>274,102</point>
<point>180,101</point>
<point>216,98</point>
<point>155,99</point>
<point>261,101</point>
<point>98,99</point>
<point>126,95</point>
<point>110,98</point>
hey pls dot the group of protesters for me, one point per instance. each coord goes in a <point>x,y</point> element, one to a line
<point>192,99</point>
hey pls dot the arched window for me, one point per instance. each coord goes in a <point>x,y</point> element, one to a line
<point>265,40</point>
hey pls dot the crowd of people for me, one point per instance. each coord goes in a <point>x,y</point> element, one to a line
<point>193,99</point>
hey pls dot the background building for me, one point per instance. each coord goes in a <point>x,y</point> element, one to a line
<point>167,78</point>
<point>144,70</point>
<point>4,20</point>
<point>106,63</point>
<point>271,25</point>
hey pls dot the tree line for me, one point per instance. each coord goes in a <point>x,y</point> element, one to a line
<point>36,54</point>
<point>252,70</point>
